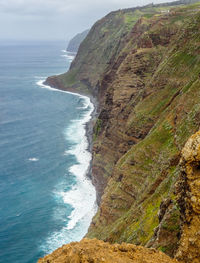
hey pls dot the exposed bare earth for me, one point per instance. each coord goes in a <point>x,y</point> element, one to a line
<point>96,251</point>
<point>189,200</point>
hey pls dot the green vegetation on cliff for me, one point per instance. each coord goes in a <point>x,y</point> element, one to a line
<point>143,65</point>
<point>103,42</point>
<point>151,107</point>
<point>101,48</point>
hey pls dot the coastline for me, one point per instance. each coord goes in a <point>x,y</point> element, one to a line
<point>88,126</point>
<point>88,129</point>
<point>55,84</point>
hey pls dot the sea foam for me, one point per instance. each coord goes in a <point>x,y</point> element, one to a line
<point>69,55</point>
<point>82,196</point>
<point>33,159</point>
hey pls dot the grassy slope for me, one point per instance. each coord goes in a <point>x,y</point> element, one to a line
<point>102,45</point>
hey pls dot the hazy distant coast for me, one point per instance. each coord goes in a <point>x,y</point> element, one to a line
<point>75,42</point>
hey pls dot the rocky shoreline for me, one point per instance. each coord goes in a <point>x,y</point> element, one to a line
<point>54,83</point>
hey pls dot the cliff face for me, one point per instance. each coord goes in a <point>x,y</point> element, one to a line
<point>98,52</point>
<point>150,108</point>
<point>75,42</point>
<point>188,199</point>
<point>143,66</point>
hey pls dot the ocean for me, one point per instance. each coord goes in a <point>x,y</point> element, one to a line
<point>46,199</point>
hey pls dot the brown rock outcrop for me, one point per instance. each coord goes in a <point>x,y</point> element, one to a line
<point>189,201</point>
<point>96,251</point>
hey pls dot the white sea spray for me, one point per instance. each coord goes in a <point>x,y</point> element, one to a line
<point>82,196</point>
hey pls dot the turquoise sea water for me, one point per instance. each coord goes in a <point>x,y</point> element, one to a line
<point>45,198</point>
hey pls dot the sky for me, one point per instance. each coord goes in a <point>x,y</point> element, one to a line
<point>55,19</point>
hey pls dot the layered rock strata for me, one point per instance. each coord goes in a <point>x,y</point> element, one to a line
<point>151,106</point>
<point>143,67</point>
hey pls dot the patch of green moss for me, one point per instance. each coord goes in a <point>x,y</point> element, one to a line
<point>97,128</point>
<point>163,249</point>
<point>184,58</point>
<point>149,15</point>
<point>70,78</point>
<point>131,18</point>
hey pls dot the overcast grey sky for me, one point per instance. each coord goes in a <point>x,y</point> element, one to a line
<point>55,19</point>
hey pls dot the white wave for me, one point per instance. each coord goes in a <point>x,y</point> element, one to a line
<point>65,235</point>
<point>33,159</point>
<point>82,196</point>
<point>18,214</point>
<point>69,57</point>
<point>70,52</point>
<point>82,199</point>
<point>41,84</point>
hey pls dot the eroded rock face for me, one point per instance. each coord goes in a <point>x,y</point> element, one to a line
<point>149,108</point>
<point>96,251</point>
<point>143,68</point>
<point>189,200</point>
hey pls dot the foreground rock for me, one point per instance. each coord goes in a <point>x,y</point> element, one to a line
<point>189,201</point>
<point>98,251</point>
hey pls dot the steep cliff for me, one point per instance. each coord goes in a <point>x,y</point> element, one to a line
<point>188,199</point>
<point>75,42</point>
<point>99,50</point>
<point>143,66</point>
<point>151,106</point>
